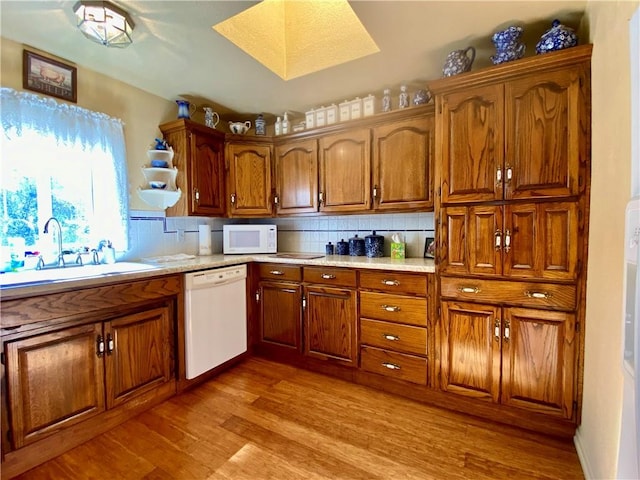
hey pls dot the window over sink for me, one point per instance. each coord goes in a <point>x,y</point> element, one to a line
<point>63,161</point>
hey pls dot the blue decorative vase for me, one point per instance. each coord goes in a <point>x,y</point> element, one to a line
<point>185,109</point>
<point>557,37</point>
<point>508,46</point>
<point>458,61</point>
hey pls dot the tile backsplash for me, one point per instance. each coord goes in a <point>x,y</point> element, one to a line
<point>152,234</point>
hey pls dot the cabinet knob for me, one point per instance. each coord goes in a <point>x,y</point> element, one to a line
<point>390,308</point>
<point>391,366</point>
<point>538,295</point>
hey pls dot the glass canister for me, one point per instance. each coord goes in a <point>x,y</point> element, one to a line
<point>374,245</point>
<point>356,246</point>
<point>342,247</point>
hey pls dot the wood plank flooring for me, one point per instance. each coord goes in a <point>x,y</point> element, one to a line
<point>264,420</point>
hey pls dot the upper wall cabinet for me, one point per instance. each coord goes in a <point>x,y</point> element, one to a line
<point>249,179</point>
<point>199,157</point>
<point>296,166</point>
<point>516,139</point>
<point>345,171</point>
<point>403,164</point>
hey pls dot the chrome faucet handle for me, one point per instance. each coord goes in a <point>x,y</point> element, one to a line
<point>40,264</point>
<point>61,262</point>
<point>79,260</point>
<point>94,257</point>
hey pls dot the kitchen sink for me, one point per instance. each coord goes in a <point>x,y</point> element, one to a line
<point>37,277</point>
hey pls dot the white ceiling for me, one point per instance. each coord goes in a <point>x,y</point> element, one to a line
<point>176,53</point>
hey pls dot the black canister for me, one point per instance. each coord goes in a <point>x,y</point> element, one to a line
<point>342,248</point>
<point>374,245</point>
<point>328,249</point>
<point>356,246</point>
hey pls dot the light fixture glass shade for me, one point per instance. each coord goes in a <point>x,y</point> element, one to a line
<point>103,22</point>
<point>293,38</point>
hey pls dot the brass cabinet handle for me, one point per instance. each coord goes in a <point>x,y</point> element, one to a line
<point>327,276</point>
<point>276,200</point>
<point>507,333</point>
<point>509,174</point>
<point>390,283</point>
<point>233,199</point>
<point>196,195</point>
<point>496,330</point>
<point>498,176</point>
<point>507,241</point>
<point>390,366</point>
<point>538,295</point>
<point>390,337</point>
<point>110,344</point>
<point>390,308</point>
<point>99,346</point>
<point>469,289</point>
<point>375,191</point>
<point>321,198</point>
<point>498,237</point>
<point>276,272</point>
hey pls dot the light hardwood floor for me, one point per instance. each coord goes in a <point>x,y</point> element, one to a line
<point>264,420</point>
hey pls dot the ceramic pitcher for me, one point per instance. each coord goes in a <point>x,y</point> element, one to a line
<point>185,109</point>
<point>211,118</point>
<point>459,61</point>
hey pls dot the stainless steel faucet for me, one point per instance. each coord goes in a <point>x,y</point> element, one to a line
<point>55,222</point>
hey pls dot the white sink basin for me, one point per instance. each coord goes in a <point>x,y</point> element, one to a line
<point>34,277</point>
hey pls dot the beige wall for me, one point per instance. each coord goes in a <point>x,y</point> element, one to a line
<point>140,111</point>
<point>598,437</point>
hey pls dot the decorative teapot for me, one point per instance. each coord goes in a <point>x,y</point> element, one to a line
<point>458,61</point>
<point>185,109</point>
<point>556,38</point>
<point>239,128</point>
<point>211,118</point>
<point>507,45</point>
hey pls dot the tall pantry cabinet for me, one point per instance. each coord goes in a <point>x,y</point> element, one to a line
<point>513,174</point>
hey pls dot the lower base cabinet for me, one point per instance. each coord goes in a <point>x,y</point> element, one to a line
<point>330,324</point>
<point>520,357</point>
<point>62,378</point>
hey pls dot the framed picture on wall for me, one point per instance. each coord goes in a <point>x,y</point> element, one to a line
<point>429,248</point>
<point>44,75</point>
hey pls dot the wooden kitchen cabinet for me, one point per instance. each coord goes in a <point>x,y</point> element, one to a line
<point>62,378</point>
<point>55,380</point>
<point>296,167</point>
<point>199,158</point>
<point>279,299</point>
<point>528,240</point>
<point>330,324</point>
<point>249,179</point>
<point>138,354</point>
<point>345,171</point>
<point>513,140</point>
<point>403,159</point>
<point>513,356</point>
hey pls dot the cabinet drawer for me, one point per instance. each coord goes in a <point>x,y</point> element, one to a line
<point>394,282</point>
<point>393,336</point>
<point>395,365</point>
<point>529,294</point>
<point>394,308</point>
<point>278,271</point>
<point>330,276</point>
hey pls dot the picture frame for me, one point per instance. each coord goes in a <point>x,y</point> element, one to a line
<point>51,77</point>
<point>429,247</point>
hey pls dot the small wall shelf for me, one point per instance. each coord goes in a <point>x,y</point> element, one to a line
<point>160,197</point>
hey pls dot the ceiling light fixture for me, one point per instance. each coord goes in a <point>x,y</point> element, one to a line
<point>293,38</point>
<point>104,23</point>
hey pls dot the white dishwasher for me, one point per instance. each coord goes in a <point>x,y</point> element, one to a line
<point>215,317</point>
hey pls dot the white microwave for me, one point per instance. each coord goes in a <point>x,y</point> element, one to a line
<point>249,239</point>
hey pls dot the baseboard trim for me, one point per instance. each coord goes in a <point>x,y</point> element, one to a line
<point>582,456</point>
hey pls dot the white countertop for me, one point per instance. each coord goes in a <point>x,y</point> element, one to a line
<point>12,286</point>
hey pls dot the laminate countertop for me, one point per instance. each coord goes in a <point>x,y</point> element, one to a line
<point>31,283</point>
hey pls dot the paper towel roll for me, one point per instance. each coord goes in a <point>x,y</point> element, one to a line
<point>204,240</point>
